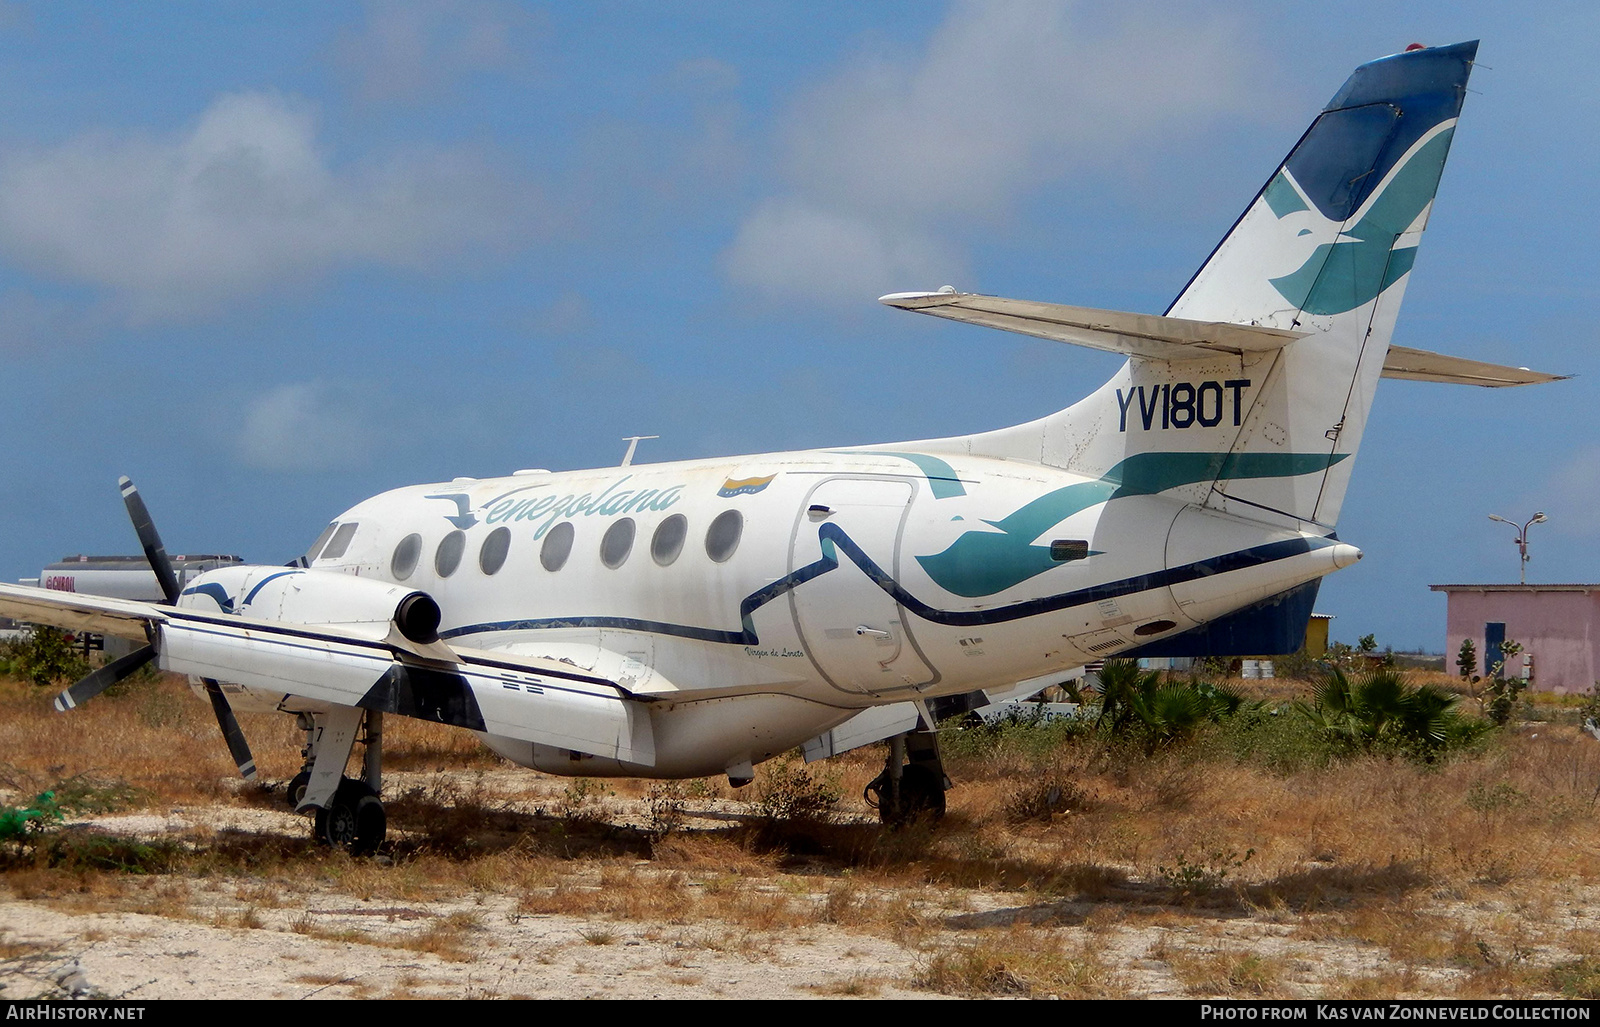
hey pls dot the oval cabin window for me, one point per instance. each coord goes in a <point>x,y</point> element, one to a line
<point>667,542</point>
<point>617,543</point>
<point>448,556</point>
<point>492,554</point>
<point>405,558</point>
<point>722,538</point>
<point>557,547</point>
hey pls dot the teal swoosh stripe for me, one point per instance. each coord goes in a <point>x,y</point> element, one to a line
<point>1357,267</point>
<point>942,478</point>
<point>981,563</point>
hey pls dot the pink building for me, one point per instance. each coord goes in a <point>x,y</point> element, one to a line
<point>1557,625</point>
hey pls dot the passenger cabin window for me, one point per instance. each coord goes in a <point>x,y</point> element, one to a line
<point>340,541</point>
<point>448,556</point>
<point>316,547</point>
<point>557,547</point>
<point>667,542</point>
<point>722,538</point>
<point>405,557</point>
<point>617,543</point>
<point>492,554</point>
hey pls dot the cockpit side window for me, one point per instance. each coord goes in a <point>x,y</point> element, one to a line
<point>316,547</point>
<point>340,541</point>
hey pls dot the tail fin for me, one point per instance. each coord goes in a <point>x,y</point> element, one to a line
<point>1251,394</point>
<point>1326,248</point>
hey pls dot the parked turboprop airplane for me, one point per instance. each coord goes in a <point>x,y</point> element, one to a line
<point>686,619</point>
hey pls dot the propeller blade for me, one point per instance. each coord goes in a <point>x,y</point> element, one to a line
<point>98,681</point>
<point>238,748</point>
<point>146,529</point>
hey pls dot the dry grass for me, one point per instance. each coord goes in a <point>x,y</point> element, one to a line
<point>1025,963</point>
<point>1058,858</point>
<point>162,740</point>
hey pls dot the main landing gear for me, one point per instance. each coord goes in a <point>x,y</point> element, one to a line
<point>913,781</point>
<point>347,811</point>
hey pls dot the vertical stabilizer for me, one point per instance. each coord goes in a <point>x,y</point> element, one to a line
<point>1326,248</point>
<point>1324,251</point>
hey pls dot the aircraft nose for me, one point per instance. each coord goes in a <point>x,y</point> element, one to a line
<point>1344,555</point>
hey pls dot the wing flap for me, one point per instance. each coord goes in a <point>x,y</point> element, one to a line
<point>568,713</point>
<point>1419,365</point>
<point>1115,331</point>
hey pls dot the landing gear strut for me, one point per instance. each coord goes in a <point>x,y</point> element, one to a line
<point>908,790</point>
<point>347,811</point>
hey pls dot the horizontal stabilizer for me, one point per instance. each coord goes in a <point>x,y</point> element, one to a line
<point>1116,331</point>
<point>1418,365</point>
<point>1176,338</point>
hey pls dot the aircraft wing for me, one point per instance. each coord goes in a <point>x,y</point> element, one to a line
<point>522,697</point>
<point>1176,338</point>
<point>1115,331</point>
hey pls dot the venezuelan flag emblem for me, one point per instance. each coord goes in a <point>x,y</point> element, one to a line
<point>744,486</point>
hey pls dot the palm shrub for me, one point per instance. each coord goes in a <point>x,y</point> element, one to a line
<point>1135,702</point>
<point>1379,711</point>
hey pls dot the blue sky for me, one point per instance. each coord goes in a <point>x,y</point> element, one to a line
<point>271,260</point>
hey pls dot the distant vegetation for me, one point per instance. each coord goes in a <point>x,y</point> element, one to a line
<point>45,656</point>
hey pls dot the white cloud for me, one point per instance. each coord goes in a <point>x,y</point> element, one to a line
<point>408,49</point>
<point>34,323</point>
<point>1007,96</point>
<point>244,199</point>
<point>1573,492</point>
<point>801,252</point>
<point>307,426</point>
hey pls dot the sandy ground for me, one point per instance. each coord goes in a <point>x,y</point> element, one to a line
<point>513,955</point>
<point>327,941</point>
<point>289,952</point>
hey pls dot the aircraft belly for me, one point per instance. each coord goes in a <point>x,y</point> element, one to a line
<point>698,738</point>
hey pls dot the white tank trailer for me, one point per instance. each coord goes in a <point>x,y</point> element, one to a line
<point>123,577</point>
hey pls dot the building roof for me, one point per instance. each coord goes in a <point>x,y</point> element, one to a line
<point>1515,588</point>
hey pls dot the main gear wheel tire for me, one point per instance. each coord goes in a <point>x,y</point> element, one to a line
<point>354,820</point>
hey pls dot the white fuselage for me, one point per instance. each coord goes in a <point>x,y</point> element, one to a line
<point>852,579</point>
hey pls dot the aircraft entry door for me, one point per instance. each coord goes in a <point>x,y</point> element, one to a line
<point>854,631</point>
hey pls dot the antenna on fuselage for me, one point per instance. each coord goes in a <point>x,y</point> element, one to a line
<point>633,444</point>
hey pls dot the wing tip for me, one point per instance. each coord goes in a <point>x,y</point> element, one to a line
<point>916,300</point>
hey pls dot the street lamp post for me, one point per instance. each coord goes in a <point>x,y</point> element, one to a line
<point>1522,537</point>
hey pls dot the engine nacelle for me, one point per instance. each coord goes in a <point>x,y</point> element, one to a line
<point>308,596</point>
